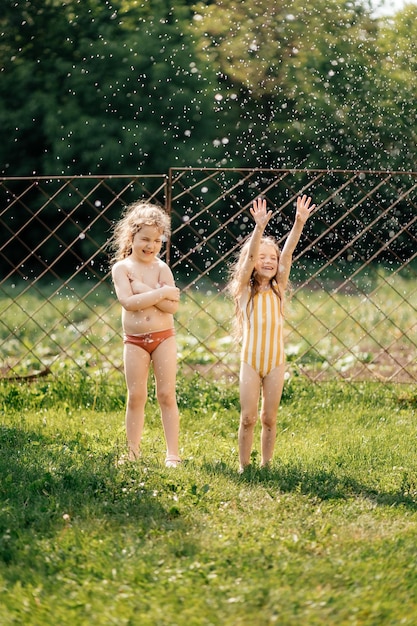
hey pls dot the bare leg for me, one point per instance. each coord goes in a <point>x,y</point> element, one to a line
<point>165,370</point>
<point>272,386</point>
<point>136,364</point>
<point>250,385</point>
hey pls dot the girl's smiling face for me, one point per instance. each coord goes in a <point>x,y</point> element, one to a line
<point>147,243</point>
<point>266,265</point>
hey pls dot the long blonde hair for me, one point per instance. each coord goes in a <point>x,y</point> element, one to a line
<point>236,287</point>
<point>134,217</point>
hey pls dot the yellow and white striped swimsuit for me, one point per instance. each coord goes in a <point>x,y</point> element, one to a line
<point>263,337</point>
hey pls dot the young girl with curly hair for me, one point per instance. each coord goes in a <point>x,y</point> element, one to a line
<point>145,288</point>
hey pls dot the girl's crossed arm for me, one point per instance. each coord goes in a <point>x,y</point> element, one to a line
<point>145,299</point>
<point>166,278</point>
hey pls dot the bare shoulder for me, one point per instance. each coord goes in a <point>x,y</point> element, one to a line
<point>121,267</point>
<point>161,263</point>
<point>119,264</point>
<point>164,270</point>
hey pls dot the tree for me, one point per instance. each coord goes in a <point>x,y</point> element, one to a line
<point>127,86</point>
<point>302,79</point>
<point>93,87</point>
<point>398,88</point>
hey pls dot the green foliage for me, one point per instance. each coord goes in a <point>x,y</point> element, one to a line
<point>326,535</point>
<point>113,88</point>
<point>72,389</point>
<point>306,82</point>
<point>92,87</point>
<point>74,331</point>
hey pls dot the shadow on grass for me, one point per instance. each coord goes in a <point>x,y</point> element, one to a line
<point>46,480</point>
<point>318,483</point>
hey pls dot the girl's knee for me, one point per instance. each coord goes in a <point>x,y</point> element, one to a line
<point>268,421</point>
<point>166,397</point>
<point>136,401</point>
<point>248,421</point>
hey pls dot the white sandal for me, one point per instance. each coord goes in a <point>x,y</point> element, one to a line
<point>172,460</point>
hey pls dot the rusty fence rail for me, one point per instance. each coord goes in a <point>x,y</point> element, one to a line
<point>352,314</point>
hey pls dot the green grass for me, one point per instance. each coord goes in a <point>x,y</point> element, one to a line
<point>365,333</point>
<point>326,536</point>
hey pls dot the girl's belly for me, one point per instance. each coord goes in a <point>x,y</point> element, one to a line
<point>138,322</point>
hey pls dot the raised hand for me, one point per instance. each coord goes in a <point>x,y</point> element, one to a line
<point>259,212</point>
<point>304,210</point>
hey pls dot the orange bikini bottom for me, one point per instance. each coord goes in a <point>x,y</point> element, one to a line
<point>149,341</point>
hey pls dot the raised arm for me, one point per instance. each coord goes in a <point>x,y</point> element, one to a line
<point>303,212</point>
<point>261,218</point>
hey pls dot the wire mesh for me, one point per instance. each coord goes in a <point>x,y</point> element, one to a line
<point>353,310</point>
<point>352,314</point>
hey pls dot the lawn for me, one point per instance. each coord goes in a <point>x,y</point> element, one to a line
<point>326,536</point>
<point>362,333</point>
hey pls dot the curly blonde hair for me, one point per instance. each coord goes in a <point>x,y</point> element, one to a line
<point>134,217</point>
<point>236,287</point>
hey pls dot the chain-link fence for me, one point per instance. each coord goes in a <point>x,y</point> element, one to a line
<point>352,314</point>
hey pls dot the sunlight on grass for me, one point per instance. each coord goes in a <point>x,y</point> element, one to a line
<point>326,535</point>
